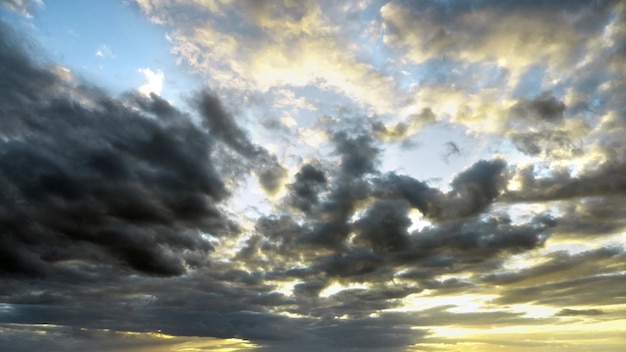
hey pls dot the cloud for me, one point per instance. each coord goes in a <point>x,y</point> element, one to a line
<point>476,187</point>
<point>104,51</point>
<point>16,337</point>
<point>602,180</point>
<point>222,126</point>
<point>385,225</point>
<point>155,80</point>
<point>575,312</point>
<point>559,264</point>
<point>92,173</point>
<point>258,58</point>
<point>403,130</point>
<point>358,154</point>
<point>570,292</point>
<point>513,33</point>
<point>544,107</point>
<point>309,182</point>
<point>118,215</point>
<point>26,8</point>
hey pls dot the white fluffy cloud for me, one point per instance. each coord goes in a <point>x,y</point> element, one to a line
<point>154,82</point>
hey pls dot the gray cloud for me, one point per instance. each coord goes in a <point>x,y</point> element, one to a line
<point>358,153</point>
<point>140,189</point>
<point>559,264</point>
<point>578,312</point>
<point>544,107</point>
<point>309,182</point>
<point>474,189</point>
<point>473,240</point>
<point>445,31</point>
<point>222,126</point>
<point>596,290</point>
<point>604,180</point>
<point>111,208</point>
<point>384,225</point>
<point>553,143</point>
<point>419,194</point>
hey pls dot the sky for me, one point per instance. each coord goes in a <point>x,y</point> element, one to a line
<point>230,175</point>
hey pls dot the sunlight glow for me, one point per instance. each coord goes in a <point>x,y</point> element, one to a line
<point>465,303</point>
<point>337,287</point>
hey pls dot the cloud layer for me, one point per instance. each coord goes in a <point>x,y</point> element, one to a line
<point>120,216</point>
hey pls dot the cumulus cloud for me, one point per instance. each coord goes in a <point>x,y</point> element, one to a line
<point>155,79</point>
<point>309,182</point>
<point>89,181</point>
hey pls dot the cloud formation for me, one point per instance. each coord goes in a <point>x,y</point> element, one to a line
<point>87,177</point>
<point>127,218</point>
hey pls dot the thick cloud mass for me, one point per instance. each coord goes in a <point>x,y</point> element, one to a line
<point>307,186</point>
<point>373,176</point>
<point>87,178</point>
<point>223,127</point>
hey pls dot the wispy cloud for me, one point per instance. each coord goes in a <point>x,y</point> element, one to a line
<point>104,51</point>
<point>154,83</point>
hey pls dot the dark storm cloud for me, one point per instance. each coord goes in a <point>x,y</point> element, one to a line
<point>419,194</point>
<point>358,153</point>
<point>474,240</point>
<point>346,186</point>
<point>140,189</point>
<point>350,264</point>
<point>474,189</point>
<point>16,337</point>
<point>282,233</point>
<point>191,306</point>
<point>304,192</point>
<point>308,289</point>
<point>384,225</point>
<point>156,105</point>
<point>484,180</point>
<point>222,126</point>
<point>381,228</point>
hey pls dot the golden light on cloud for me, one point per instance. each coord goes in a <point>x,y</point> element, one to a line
<point>337,287</point>
<point>455,303</point>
